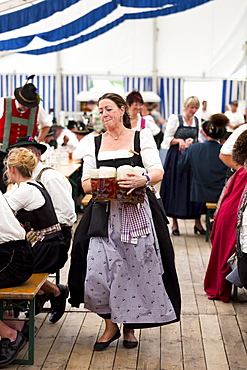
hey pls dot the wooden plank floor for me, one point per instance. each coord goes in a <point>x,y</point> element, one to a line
<point>211,335</point>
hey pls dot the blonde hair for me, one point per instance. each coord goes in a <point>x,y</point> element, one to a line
<point>192,100</point>
<point>23,159</point>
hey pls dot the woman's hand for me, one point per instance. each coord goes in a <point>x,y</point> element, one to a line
<point>132,182</point>
<point>181,145</point>
<point>188,142</point>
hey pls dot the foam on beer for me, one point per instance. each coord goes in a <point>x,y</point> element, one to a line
<point>107,172</point>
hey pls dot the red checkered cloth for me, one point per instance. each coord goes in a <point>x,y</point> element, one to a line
<point>40,234</point>
<point>134,222</point>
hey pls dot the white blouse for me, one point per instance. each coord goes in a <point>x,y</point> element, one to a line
<point>25,196</point>
<point>149,154</point>
<point>149,123</point>
<point>243,232</point>
<point>10,228</point>
<point>171,128</point>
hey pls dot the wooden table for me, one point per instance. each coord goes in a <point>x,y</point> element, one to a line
<point>71,171</point>
<point>70,168</point>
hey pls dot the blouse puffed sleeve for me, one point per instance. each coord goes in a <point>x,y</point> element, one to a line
<point>149,152</point>
<point>89,161</point>
<point>171,128</point>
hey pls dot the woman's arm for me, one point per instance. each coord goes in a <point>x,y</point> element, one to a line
<point>86,186</point>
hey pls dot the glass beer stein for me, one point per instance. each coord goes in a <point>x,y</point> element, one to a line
<point>94,175</point>
<point>106,189</point>
<point>121,193</point>
<point>138,194</point>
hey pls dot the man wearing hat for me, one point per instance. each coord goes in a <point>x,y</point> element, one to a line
<point>235,118</point>
<point>209,172</point>
<point>81,131</point>
<point>19,117</point>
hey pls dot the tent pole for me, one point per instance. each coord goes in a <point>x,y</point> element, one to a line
<point>58,107</point>
<point>155,38</point>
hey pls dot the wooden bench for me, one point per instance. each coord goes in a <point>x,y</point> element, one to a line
<point>23,298</point>
<point>85,200</point>
<point>209,218</point>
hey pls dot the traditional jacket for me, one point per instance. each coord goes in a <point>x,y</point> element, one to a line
<point>14,124</point>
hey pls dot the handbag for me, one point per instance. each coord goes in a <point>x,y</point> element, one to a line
<point>233,276</point>
<point>232,261</point>
<point>98,225</point>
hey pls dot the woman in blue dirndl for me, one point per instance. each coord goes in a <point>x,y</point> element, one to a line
<point>175,186</point>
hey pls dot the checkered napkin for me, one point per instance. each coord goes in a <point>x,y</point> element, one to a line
<point>134,222</point>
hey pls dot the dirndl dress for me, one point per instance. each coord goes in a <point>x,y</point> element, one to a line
<point>175,186</point>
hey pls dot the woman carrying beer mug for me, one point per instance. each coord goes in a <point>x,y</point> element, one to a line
<point>130,276</point>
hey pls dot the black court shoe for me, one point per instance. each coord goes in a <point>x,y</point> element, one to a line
<point>175,232</point>
<point>202,231</point>
<point>100,346</point>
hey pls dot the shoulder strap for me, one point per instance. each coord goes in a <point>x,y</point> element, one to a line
<point>38,177</point>
<point>97,142</point>
<point>143,123</point>
<point>37,186</point>
<point>180,120</point>
<point>196,120</point>
<point>137,148</point>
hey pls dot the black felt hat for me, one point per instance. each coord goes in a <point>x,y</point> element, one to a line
<point>82,129</point>
<point>26,141</point>
<point>71,124</point>
<point>27,95</point>
<point>215,127</point>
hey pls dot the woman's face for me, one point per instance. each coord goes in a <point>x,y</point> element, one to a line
<point>135,108</point>
<point>110,114</point>
<point>190,110</point>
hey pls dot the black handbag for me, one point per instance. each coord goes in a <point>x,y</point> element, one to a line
<point>99,219</point>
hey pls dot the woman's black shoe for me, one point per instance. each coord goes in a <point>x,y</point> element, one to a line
<point>100,346</point>
<point>175,232</point>
<point>129,344</point>
<point>196,230</point>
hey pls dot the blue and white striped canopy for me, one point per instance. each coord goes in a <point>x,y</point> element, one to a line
<point>54,25</point>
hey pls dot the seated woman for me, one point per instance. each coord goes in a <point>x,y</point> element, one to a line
<point>34,209</point>
<point>16,266</point>
<point>223,235</point>
<point>129,276</point>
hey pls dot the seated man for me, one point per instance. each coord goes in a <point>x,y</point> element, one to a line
<point>209,172</point>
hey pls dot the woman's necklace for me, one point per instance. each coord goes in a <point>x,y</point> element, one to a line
<point>116,137</point>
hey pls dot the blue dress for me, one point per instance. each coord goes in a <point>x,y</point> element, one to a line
<point>176,185</point>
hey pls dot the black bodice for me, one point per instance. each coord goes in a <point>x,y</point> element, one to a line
<point>117,162</point>
<point>40,218</point>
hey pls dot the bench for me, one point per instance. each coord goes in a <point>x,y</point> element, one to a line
<point>209,218</point>
<point>22,297</point>
<point>85,200</point>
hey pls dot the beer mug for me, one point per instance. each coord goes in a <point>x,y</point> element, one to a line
<point>106,189</point>
<point>138,194</point>
<point>121,193</point>
<point>94,175</point>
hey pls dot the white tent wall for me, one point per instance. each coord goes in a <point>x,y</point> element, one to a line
<point>204,43</point>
